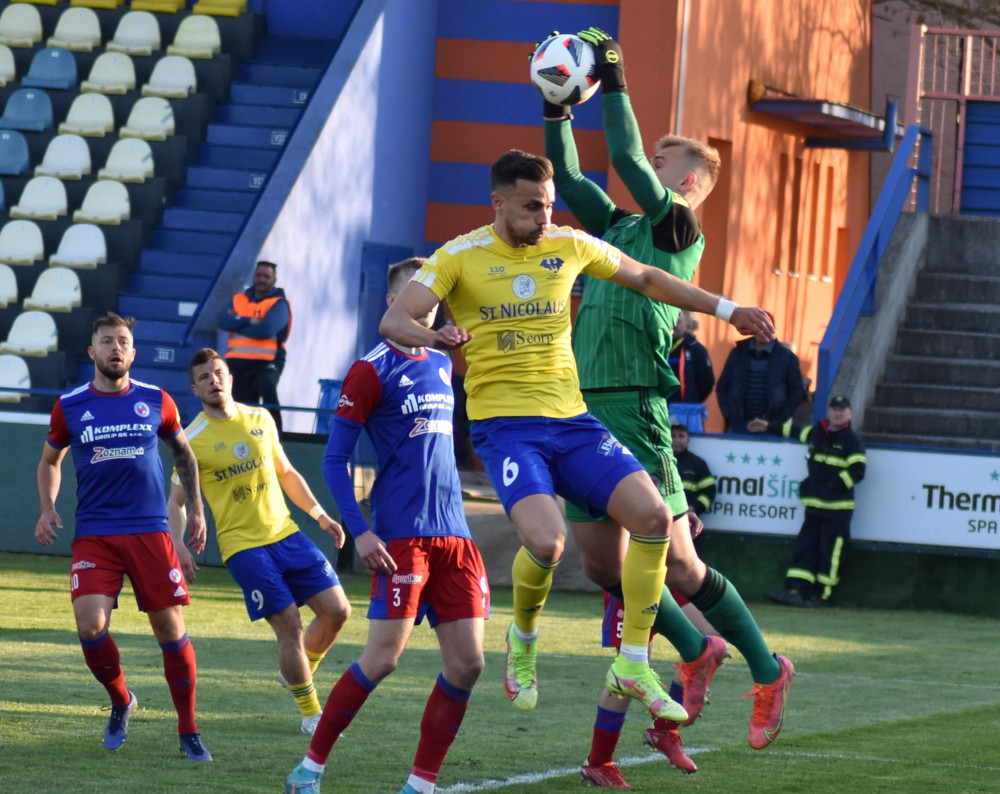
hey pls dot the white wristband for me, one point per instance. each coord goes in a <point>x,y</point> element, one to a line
<point>317,511</point>
<point>725,309</point>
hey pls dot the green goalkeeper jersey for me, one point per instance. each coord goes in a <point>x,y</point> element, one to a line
<point>622,338</point>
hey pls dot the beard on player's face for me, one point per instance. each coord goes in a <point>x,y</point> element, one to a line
<point>113,370</point>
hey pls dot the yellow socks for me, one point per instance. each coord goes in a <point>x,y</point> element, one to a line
<point>305,698</point>
<point>643,574</point>
<point>532,582</point>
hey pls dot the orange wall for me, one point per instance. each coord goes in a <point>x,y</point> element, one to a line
<point>778,224</point>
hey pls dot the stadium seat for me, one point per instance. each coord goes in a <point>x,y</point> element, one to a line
<point>151,118</point>
<point>82,247</point>
<point>20,25</point>
<point>8,69</point>
<point>28,109</point>
<point>197,37</point>
<point>57,290</point>
<point>138,33</point>
<point>90,115</point>
<point>8,286</point>
<point>13,374</point>
<point>78,29</point>
<point>52,67</point>
<point>106,202</point>
<point>130,160</point>
<point>220,8</point>
<point>173,76</point>
<point>43,198</point>
<point>21,243</point>
<point>160,6</point>
<point>32,334</point>
<point>66,157</point>
<point>112,73</point>
<point>112,4</point>
<point>15,158</point>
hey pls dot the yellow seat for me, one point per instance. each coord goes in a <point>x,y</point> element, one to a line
<point>106,203</point>
<point>161,6</point>
<point>98,3</point>
<point>43,198</point>
<point>20,25</point>
<point>112,73</point>
<point>197,37</point>
<point>138,33</point>
<point>57,290</point>
<point>8,286</point>
<point>21,243</point>
<point>173,76</point>
<point>13,374</point>
<point>8,70</point>
<point>220,8</point>
<point>130,160</point>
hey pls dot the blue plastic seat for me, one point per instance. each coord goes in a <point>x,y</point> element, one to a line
<point>14,156</point>
<point>27,109</point>
<point>52,67</point>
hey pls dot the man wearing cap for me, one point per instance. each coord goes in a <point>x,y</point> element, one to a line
<point>836,464</point>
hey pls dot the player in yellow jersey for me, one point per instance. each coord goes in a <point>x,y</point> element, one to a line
<point>508,286</point>
<point>244,471</point>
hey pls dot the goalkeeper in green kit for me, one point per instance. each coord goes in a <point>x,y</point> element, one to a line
<point>629,394</point>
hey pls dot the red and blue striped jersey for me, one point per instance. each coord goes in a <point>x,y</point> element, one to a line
<point>406,405</point>
<point>113,440</point>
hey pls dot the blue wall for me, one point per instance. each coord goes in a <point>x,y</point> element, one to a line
<point>319,19</point>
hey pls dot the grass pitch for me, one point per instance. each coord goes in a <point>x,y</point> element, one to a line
<point>882,702</point>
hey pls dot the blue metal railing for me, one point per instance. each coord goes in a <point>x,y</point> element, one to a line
<point>857,298</point>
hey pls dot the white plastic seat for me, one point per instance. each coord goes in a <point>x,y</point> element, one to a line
<point>106,203</point>
<point>20,25</point>
<point>8,70</point>
<point>90,115</point>
<point>197,37</point>
<point>151,118</point>
<point>138,33</point>
<point>78,29</point>
<point>21,243</point>
<point>13,374</point>
<point>112,73</point>
<point>33,333</point>
<point>66,157</point>
<point>43,198</point>
<point>57,290</point>
<point>173,76</point>
<point>8,286</point>
<point>130,160</point>
<point>82,247</point>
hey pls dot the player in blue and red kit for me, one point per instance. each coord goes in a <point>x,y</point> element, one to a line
<point>112,426</point>
<point>419,549</point>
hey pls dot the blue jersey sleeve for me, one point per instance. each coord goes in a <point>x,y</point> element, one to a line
<point>343,437</point>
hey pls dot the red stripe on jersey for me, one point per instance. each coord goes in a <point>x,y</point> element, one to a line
<point>360,394</point>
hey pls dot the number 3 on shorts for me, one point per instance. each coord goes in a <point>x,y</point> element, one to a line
<point>510,470</point>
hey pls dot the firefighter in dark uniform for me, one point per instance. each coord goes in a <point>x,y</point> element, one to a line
<point>698,481</point>
<point>836,464</point>
<point>258,324</point>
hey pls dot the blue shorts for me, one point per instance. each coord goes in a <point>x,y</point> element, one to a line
<point>273,577</point>
<point>576,458</point>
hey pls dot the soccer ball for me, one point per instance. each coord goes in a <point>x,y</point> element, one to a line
<point>563,69</point>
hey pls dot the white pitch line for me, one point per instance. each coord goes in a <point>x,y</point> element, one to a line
<point>533,778</point>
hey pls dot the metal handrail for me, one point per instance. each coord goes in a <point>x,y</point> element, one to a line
<point>857,297</point>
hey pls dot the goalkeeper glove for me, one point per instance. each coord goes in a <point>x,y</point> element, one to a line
<point>610,69</point>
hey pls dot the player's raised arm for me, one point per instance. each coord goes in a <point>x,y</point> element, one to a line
<point>401,322</point>
<point>665,288</point>
<point>49,480</point>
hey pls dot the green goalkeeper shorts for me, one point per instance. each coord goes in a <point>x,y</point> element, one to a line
<point>639,419</point>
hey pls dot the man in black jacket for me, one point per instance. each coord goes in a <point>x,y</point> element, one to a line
<point>836,464</point>
<point>690,362</point>
<point>698,480</point>
<point>761,380</point>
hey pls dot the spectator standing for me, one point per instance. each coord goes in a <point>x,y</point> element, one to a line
<point>258,323</point>
<point>690,362</point>
<point>836,464</point>
<point>761,380</point>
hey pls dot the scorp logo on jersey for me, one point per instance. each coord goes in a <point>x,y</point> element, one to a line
<point>510,340</point>
<point>83,565</point>
<point>423,426</point>
<point>552,263</point>
<point>141,409</point>
<point>116,453</point>
<point>345,401</point>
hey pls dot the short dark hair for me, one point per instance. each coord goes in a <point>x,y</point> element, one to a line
<point>265,263</point>
<point>203,356</point>
<point>112,320</point>
<point>515,164</point>
<point>683,428</point>
<point>401,272</point>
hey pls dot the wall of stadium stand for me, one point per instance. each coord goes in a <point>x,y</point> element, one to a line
<point>882,576</point>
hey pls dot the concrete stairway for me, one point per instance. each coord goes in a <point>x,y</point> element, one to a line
<point>941,384</point>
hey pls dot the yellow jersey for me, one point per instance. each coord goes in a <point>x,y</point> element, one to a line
<point>516,304</point>
<point>239,479</point>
